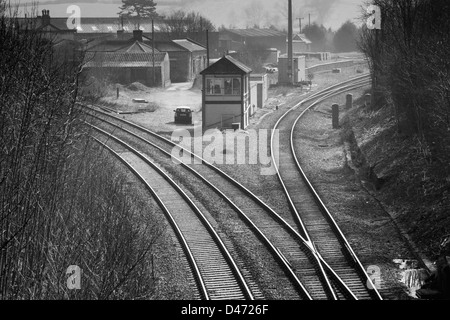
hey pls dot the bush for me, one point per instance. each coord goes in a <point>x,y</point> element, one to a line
<point>61,201</point>
<point>137,86</point>
<point>93,89</point>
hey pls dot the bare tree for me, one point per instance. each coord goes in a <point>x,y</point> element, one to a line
<point>409,64</point>
<point>254,14</point>
<point>180,24</point>
<point>138,9</point>
<point>59,203</point>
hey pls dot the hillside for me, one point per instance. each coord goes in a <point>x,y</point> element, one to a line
<point>397,169</point>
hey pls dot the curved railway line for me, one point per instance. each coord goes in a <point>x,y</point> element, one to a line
<point>294,257</point>
<point>316,273</point>
<point>317,224</point>
<point>215,271</point>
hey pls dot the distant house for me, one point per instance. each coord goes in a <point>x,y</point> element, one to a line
<point>54,29</point>
<point>127,59</point>
<point>300,43</point>
<point>104,27</point>
<point>196,36</point>
<point>236,39</point>
<point>129,67</point>
<point>226,94</point>
<point>122,43</point>
<point>187,58</point>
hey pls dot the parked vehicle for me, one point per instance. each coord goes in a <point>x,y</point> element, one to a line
<point>183,115</point>
<point>271,69</point>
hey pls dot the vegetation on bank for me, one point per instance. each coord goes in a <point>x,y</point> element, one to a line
<point>409,120</point>
<point>62,202</point>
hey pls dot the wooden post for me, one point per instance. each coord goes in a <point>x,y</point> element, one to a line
<point>349,101</point>
<point>117,92</point>
<point>367,99</point>
<point>335,114</point>
<point>153,56</point>
<point>153,268</point>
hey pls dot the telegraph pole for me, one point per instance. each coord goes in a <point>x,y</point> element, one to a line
<point>300,23</point>
<point>153,54</point>
<point>207,47</point>
<point>290,51</point>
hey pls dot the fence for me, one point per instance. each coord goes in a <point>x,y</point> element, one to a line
<point>325,67</point>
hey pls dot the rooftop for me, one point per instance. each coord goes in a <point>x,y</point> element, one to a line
<point>129,45</point>
<point>189,45</point>
<point>122,59</point>
<point>257,32</point>
<point>300,38</point>
<point>227,65</point>
<point>95,25</point>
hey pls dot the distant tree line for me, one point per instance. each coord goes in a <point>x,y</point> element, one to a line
<point>323,39</point>
<point>180,23</point>
<point>176,24</point>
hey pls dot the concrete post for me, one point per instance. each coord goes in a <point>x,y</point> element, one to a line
<point>367,99</point>
<point>349,101</point>
<point>335,114</point>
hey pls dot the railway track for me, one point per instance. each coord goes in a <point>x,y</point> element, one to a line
<point>311,274</point>
<point>296,260</point>
<point>316,223</point>
<point>215,270</point>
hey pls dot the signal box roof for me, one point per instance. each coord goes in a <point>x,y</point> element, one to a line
<point>227,65</point>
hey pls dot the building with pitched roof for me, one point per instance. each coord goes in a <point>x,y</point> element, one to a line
<point>300,43</point>
<point>226,94</point>
<point>187,58</point>
<point>53,29</point>
<point>122,43</point>
<point>236,39</point>
<point>128,67</point>
<point>126,59</point>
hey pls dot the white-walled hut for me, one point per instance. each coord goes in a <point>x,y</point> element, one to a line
<point>226,94</point>
<point>259,88</point>
<point>299,68</point>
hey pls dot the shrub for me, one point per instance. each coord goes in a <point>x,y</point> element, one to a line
<point>61,201</point>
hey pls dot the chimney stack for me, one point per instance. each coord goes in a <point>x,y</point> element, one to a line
<point>45,17</point>
<point>120,34</point>
<point>137,35</point>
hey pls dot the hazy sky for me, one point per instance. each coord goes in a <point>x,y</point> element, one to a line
<point>236,13</point>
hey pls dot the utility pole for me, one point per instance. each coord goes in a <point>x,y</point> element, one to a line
<point>201,30</point>
<point>290,51</point>
<point>309,19</point>
<point>207,47</point>
<point>300,23</point>
<point>153,54</point>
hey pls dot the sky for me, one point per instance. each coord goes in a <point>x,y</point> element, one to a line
<point>229,13</point>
